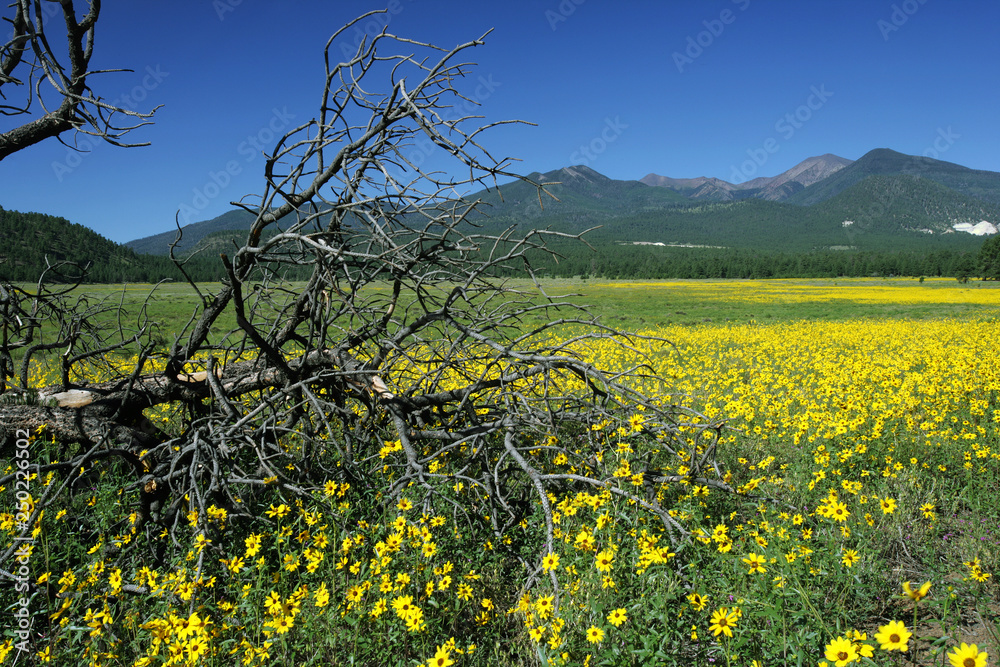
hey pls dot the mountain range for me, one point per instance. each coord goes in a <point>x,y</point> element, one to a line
<point>772,188</point>
<point>819,178</point>
<point>883,202</point>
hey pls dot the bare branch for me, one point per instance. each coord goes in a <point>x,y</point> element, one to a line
<point>28,62</point>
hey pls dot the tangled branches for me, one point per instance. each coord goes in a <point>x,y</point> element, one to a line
<point>405,364</point>
<point>29,61</point>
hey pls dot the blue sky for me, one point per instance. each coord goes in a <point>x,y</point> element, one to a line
<point>726,88</point>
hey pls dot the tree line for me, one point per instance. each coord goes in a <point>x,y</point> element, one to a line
<point>656,262</point>
<point>31,241</point>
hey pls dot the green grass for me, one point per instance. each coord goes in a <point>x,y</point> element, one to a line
<point>638,304</point>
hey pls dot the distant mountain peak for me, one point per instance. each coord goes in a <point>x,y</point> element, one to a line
<point>575,172</point>
<point>812,170</point>
<point>882,152</point>
<point>773,188</point>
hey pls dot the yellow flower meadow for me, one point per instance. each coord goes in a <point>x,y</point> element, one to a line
<point>843,417</point>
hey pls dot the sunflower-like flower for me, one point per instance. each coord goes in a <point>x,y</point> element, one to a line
<point>893,636</point>
<point>916,595</point>
<point>617,617</point>
<point>697,601</point>
<point>550,562</point>
<point>967,656</point>
<point>756,563</point>
<point>841,651</point>
<point>595,635</point>
<point>723,621</point>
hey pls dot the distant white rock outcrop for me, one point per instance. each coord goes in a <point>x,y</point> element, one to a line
<point>982,228</point>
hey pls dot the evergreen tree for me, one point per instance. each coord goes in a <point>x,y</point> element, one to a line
<point>989,259</point>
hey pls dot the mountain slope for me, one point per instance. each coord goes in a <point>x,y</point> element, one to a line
<point>580,198</point>
<point>983,185</point>
<point>693,188</point>
<point>905,203</point>
<point>31,241</point>
<point>577,191</point>
<point>582,188</point>
<point>159,244</point>
<point>809,171</point>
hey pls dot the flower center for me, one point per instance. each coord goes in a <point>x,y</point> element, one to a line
<point>894,638</point>
<point>842,656</point>
<point>969,662</point>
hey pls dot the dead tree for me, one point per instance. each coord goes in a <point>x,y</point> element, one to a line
<point>46,88</point>
<point>402,331</point>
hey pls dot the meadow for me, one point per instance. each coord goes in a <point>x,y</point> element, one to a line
<point>860,437</point>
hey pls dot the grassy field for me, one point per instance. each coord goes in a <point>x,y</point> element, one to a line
<point>862,420</point>
<point>635,304</point>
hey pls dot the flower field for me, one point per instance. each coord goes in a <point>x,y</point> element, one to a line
<point>864,529</point>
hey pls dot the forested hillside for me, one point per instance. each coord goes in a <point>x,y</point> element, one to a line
<point>887,214</point>
<point>884,214</point>
<point>158,244</point>
<point>31,241</point>
<point>905,203</point>
<point>655,262</point>
<point>976,183</point>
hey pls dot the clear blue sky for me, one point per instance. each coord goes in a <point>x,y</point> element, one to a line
<point>679,88</point>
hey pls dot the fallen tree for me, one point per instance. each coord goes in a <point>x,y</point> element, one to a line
<point>405,336</point>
